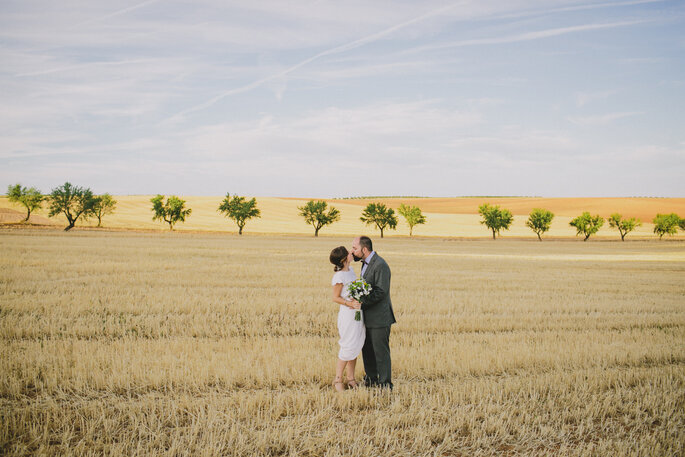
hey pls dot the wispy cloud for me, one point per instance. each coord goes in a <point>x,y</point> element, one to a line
<point>602,119</point>
<point>528,36</point>
<point>335,50</point>
<point>583,98</point>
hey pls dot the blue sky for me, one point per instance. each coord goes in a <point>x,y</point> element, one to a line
<point>329,99</point>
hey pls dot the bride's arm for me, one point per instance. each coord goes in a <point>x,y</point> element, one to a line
<point>337,290</point>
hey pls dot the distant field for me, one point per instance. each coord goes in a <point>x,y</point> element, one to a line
<point>201,344</point>
<point>447,217</point>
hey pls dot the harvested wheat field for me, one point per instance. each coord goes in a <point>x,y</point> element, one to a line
<point>447,217</point>
<point>123,344</point>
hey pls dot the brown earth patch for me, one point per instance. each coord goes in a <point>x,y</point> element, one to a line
<point>643,208</point>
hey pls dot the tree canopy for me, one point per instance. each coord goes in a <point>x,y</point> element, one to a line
<point>104,204</point>
<point>413,216</point>
<point>587,225</point>
<point>239,209</point>
<point>31,198</point>
<point>73,202</point>
<point>666,224</point>
<point>379,215</point>
<point>317,214</point>
<point>624,226</point>
<point>495,218</point>
<point>171,211</point>
<point>539,221</point>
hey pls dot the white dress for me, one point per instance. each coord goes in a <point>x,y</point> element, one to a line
<point>352,333</point>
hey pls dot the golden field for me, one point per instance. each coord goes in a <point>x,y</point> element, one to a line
<point>206,344</point>
<point>447,217</point>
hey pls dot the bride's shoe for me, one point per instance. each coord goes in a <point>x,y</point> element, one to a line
<point>351,383</point>
<point>338,385</point>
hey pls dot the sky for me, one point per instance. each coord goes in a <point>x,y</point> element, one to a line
<point>553,98</point>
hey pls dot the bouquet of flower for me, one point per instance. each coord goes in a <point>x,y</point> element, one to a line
<point>358,289</point>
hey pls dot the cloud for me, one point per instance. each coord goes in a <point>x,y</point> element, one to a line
<point>527,36</point>
<point>583,98</point>
<point>602,119</point>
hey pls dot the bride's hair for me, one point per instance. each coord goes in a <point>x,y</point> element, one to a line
<point>338,256</point>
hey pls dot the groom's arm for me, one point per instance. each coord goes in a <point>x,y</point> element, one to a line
<point>380,286</point>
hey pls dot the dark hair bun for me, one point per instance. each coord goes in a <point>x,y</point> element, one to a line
<point>338,256</point>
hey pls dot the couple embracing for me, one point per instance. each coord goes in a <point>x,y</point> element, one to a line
<point>370,333</point>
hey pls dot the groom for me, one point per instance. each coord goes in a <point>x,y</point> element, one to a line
<point>378,314</point>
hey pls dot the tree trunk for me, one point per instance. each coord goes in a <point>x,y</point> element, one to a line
<point>539,238</point>
<point>623,235</point>
<point>240,230</point>
<point>69,227</point>
<point>99,221</point>
<point>493,234</point>
<point>381,233</point>
<point>28,214</point>
<point>316,231</point>
<point>586,237</point>
<point>411,229</point>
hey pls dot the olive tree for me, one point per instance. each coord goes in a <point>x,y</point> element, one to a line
<point>495,218</point>
<point>666,224</point>
<point>318,215</point>
<point>379,215</point>
<point>586,224</point>
<point>624,226</point>
<point>239,209</point>
<point>413,216</point>
<point>31,198</point>
<point>72,201</point>
<point>539,221</point>
<point>104,204</point>
<point>171,211</point>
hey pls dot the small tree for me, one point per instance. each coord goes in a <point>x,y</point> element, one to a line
<point>413,216</point>
<point>539,221</point>
<point>104,204</point>
<point>314,213</point>
<point>171,211</point>
<point>495,218</point>
<point>681,224</point>
<point>239,209</point>
<point>624,226</point>
<point>31,198</point>
<point>666,224</point>
<point>586,224</point>
<point>380,215</point>
<point>73,202</point>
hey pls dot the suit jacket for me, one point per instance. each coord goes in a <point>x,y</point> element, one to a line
<point>377,306</point>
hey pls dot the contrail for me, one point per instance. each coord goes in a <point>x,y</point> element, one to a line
<point>116,13</point>
<point>335,50</point>
<point>529,36</point>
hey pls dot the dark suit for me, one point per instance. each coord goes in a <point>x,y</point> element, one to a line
<point>378,317</point>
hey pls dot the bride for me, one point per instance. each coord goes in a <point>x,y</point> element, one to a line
<point>352,332</point>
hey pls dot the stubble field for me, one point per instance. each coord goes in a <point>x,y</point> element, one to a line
<point>121,343</point>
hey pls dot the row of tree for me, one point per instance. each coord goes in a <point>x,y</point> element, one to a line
<point>73,201</point>
<point>540,220</point>
<point>78,202</point>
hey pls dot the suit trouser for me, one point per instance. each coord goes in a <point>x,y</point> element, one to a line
<point>376,354</point>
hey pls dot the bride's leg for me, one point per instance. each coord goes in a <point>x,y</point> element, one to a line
<point>351,364</point>
<point>339,370</point>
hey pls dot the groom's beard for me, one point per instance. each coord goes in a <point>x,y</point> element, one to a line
<point>356,259</point>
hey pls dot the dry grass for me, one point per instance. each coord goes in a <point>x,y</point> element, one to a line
<point>455,217</point>
<point>178,344</point>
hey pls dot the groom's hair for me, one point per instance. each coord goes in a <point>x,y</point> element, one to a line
<point>365,242</point>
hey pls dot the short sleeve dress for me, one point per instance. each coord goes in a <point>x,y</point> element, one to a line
<point>352,332</point>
